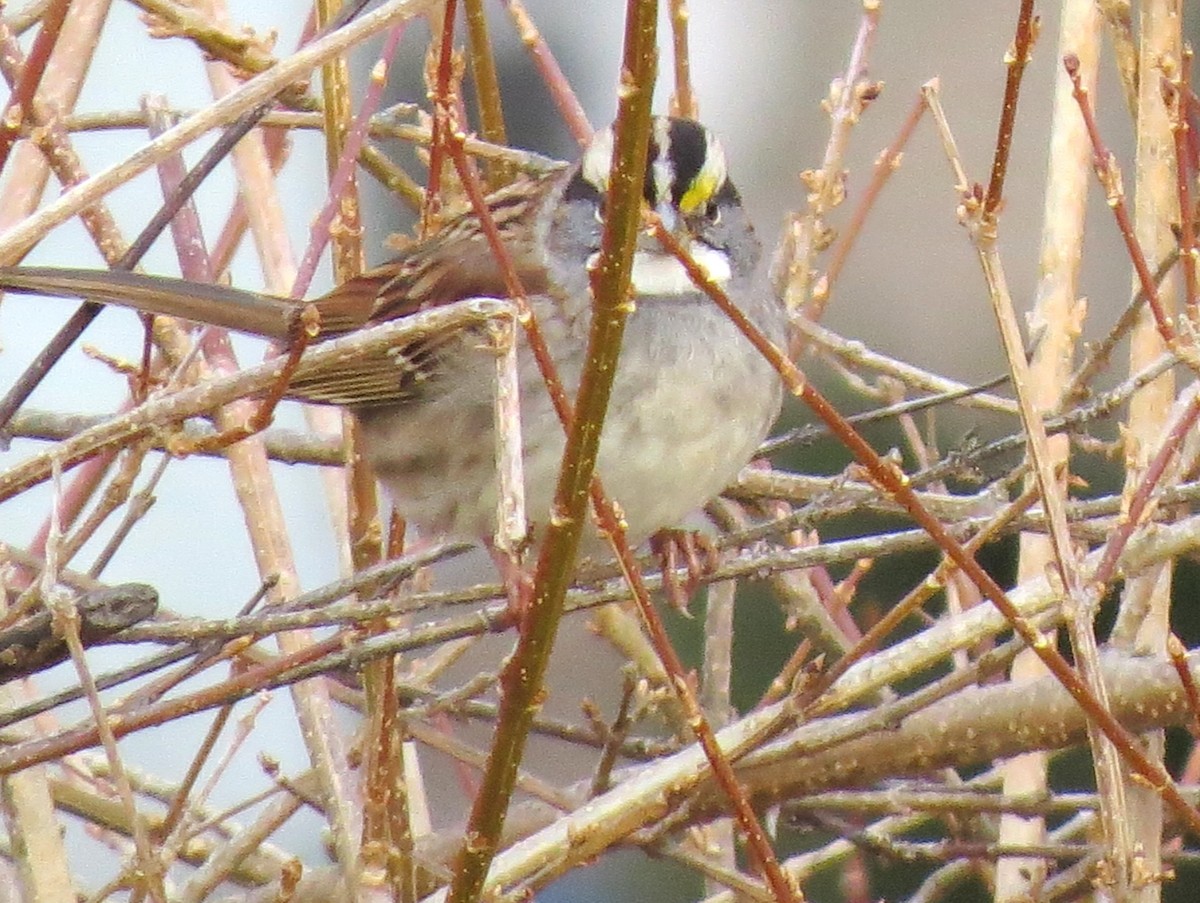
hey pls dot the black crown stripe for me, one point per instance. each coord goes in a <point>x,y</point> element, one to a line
<point>688,150</point>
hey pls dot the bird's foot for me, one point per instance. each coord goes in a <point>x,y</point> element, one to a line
<point>699,556</point>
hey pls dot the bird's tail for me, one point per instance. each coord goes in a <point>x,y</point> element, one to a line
<point>217,305</point>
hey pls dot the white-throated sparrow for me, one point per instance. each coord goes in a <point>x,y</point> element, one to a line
<point>691,401</point>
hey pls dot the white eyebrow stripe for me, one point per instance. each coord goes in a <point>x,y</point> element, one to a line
<point>664,172</point>
<point>714,160</point>
<point>597,159</point>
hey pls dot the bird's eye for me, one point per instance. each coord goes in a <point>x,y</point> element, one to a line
<point>712,213</point>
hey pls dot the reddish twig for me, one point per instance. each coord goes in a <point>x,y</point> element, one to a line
<point>564,98</point>
<point>1135,512</point>
<point>1178,655</point>
<point>897,485</point>
<point>917,597</point>
<point>1110,179</point>
<point>239,686</point>
<point>88,311</point>
<point>354,140</point>
<point>848,98</point>
<point>887,163</point>
<point>443,106</point>
<point>17,108</point>
<point>1016,59</point>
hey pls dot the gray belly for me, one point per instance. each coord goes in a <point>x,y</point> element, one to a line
<point>691,401</point>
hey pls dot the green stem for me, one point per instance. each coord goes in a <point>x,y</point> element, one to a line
<point>522,679</point>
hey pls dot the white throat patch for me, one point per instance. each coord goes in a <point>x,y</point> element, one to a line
<point>661,274</point>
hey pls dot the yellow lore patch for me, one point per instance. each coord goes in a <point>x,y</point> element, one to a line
<point>700,192</point>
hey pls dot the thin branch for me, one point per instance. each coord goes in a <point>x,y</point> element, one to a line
<point>18,239</point>
<point>522,679</point>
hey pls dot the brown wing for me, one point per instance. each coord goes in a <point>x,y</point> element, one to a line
<point>455,263</point>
